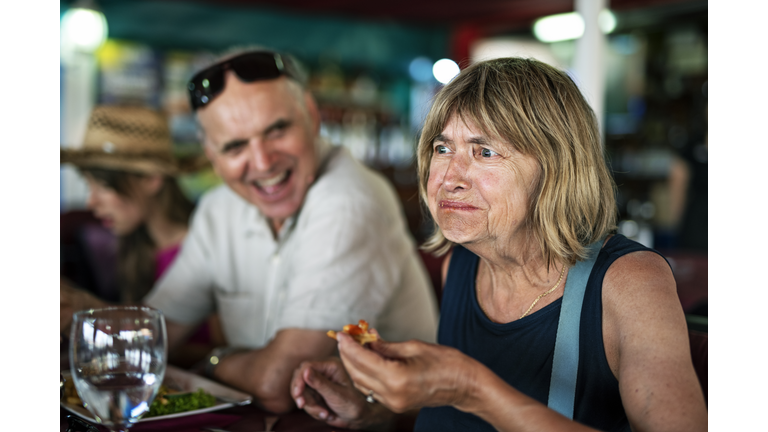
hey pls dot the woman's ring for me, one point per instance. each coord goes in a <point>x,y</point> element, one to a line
<point>370,398</point>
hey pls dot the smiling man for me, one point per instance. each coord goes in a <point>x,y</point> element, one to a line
<point>300,239</point>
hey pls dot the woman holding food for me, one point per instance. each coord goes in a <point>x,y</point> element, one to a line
<point>549,321</point>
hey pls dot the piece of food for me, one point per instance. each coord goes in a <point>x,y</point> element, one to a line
<point>359,332</point>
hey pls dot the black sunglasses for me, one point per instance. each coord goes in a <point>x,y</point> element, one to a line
<point>249,67</point>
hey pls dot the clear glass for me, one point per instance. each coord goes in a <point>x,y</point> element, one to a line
<point>118,356</point>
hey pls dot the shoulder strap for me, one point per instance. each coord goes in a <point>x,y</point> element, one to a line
<point>565,363</point>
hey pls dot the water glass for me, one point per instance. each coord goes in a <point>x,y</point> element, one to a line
<point>118,357</point>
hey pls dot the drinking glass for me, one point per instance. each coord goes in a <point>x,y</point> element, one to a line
<point>118,356</point>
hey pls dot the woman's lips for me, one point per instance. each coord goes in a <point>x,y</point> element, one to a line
<point>455,205</point>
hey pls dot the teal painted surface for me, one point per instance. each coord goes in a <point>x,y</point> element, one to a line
<point>379,45</point>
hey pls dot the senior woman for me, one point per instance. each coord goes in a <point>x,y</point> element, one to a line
<point>549,321</point>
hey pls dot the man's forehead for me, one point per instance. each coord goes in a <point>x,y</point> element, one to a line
<point>237,91</point>
<point>249,105</point>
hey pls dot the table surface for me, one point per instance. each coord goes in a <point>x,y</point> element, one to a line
<point>248,418</point>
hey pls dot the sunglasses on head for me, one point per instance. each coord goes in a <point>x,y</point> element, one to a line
<point>249,67</point>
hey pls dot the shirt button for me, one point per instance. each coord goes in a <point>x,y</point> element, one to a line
<point>275,259</point>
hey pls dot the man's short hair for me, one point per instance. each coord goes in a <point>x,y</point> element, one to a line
<point>295,68</point>
<point>540,111</point>
<point>296,72</point>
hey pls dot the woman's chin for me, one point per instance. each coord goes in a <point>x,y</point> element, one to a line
<point>458,236</point>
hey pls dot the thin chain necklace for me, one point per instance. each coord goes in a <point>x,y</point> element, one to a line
<point>562,272</point>
<point>550,291</point>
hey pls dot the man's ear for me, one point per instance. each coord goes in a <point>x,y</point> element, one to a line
<point>209,152</point>
<point>313,111</point>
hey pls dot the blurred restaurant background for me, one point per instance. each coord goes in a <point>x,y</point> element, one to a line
<point>374,67</point>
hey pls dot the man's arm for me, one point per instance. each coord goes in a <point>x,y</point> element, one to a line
<point>266,372</point>
<point>177,333</point>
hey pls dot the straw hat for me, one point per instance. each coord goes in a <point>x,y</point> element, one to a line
<point>129,138</point>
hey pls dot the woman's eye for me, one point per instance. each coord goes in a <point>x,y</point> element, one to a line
<point>441,149</point>
<point>488,153</point>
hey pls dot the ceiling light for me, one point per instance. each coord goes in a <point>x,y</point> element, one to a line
<point>444,70</point>
<point>559,27</point>
<point>567,26</point>
<point>84,27</point>
<point>606,20</point>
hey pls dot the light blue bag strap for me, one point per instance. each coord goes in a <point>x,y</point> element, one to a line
<point>565,363</point>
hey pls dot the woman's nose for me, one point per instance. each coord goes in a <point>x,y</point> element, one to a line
<point>456,174</point>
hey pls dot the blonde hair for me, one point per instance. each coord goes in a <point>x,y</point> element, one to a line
<point>540,111</point>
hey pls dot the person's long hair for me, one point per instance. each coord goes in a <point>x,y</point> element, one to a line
<point>136,250</point>
<point>539,110</point>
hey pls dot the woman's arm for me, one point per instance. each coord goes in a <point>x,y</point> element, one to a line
<point>71,300</point>
<point>646,344</point>
<point>414,374</point>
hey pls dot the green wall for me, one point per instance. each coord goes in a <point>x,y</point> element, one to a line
<point>384,46</point>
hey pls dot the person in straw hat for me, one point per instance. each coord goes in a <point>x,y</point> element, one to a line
<point>128,163</point>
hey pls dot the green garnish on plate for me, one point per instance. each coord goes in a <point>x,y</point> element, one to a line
<point>167,403</point>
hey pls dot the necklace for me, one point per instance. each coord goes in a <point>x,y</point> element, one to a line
<point>550,291</point>
<point>562,272</point>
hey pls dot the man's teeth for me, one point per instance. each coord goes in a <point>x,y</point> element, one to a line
<point>272,181</point>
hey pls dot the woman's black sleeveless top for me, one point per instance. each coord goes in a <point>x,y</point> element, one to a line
<point>520,352</point>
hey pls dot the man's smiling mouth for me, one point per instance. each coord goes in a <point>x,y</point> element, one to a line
<point>272,184</point>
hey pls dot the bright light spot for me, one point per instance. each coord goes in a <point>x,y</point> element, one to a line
<point>559,27</point>
<point>629,228</point>
<point>444,70</point>
<point>139,409</point>
<point>85,29</point>
<point>206,83</point>
<point>149,379</point>
<point>606,20</point>
<point>420,69</point>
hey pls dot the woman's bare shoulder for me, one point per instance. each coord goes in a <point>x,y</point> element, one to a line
<point>641,274</point>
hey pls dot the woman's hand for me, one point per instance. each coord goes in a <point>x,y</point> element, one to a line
<point>410,375</point>
<point>324,390</point>
<point>72,300</point>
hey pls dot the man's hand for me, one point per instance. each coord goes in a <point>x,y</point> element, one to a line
<point>72,300</point>
<point>325,391</point>
<point>266,372</point>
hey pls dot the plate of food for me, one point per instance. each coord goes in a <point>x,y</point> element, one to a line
<point>182,394</point>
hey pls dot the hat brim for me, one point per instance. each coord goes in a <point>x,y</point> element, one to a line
<point>139,163</point>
